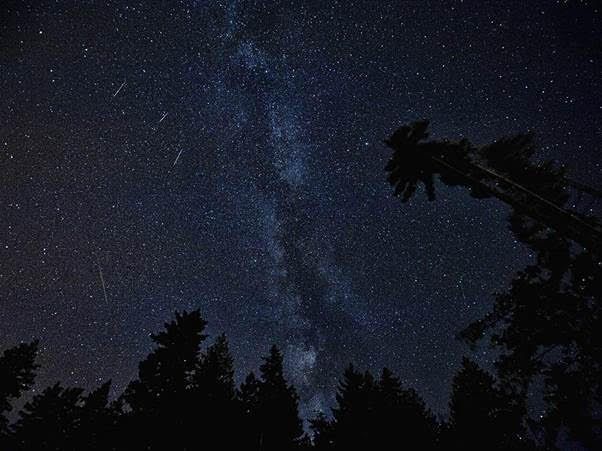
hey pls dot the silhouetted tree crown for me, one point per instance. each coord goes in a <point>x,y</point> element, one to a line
<point>17,373</point>
<point>482,415</point>
<point>545,326</point>
<point>161,400</point>
<point>167,373</point>
<point>504,169</point>
<point>375,415</point>
<point>277,408</point>
<point>64,419</point>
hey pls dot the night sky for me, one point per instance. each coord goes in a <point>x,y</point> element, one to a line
<point>228,156</point>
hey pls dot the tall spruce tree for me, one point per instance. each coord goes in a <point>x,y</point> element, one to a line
<point>219,415</point>
<point>161,408</point>
<point>401,417</point>
<point>248,397</point>
<point>353,416</point>
<point>97,422</point>
<point>278,424</point>
<point>323,432</point>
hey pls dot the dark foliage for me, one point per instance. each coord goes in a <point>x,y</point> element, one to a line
<point>185,398</point>
<point>64,419</point>
<point>483,415</point>
<point>544,327</point>
<point>537,192</point>
<point>271,407</point>
<point>161,406</point>
<point>17,373</point>
<point>375,414</point>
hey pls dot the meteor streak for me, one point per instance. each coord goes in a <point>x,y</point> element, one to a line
<point>180,153</point>
<point>102,281</point>
<point>117,92</point>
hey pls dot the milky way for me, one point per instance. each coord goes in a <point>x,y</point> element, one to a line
<point>228,156</point>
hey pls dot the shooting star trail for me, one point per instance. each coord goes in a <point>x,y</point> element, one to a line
<point>177,158</point>
<point>117,92</point>
<point>462,290</point>
<point>164,116</point>
<point>102,281</point>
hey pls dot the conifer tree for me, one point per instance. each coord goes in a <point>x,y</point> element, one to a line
<point>482,415</point>
<point>17,374</point>
<point>49,421</point>
<point>279,425</point>
<point>161,402</point>
<point>218,409</point>
<point>97,420</point>
<point>401,416</point>
<point>323,432</point>
<point>248,397</point>
<point>375,415</point>
<point>545,325</point>
<point>215,375</point>
<point>353,416</point>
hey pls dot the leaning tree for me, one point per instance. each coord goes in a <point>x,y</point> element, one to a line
<point>545,325</point>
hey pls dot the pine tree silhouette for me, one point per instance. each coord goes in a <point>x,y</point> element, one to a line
<point>353,416</point>
<point>550,321</point>
<point>502,169</point>
<point>184,399</point>
<point>17,374</point>
<point>401,410</point>
<point>379,415</point>
<point>482,416</point>
<point>248,396</point>
<point>97,421</point>
<point>161,401</point>
<point>546,324</point>
<point>323,432</point>
<point>215,376</point>
<point>276,409</point>
<point>50,420</point>
<point>214,392</point>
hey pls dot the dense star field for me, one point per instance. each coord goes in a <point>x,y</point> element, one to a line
<point>228,156</point>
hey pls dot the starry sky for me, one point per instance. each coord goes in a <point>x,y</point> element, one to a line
<point>228,156</point>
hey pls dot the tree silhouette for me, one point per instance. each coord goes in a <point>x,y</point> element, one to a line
<point>17,374</point>
<point>214,378</point>
<point>324,432</point>
<point>399,409</point>
<point>186,399</point>
<point>353,415</point>
<point>50,420</point>
<point>375,415</point>
<point>97,420</point>
<point>248,396</point>
<point>552,313</point>
<point>64,419</point>
<point>502,169</point>
<point>162,408</point>
<point>273,405</point>
<point>482,415</point>
<point>545,325</point>
<point>214,393</point>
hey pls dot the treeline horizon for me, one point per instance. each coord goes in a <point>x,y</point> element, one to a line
<point>185,397</point>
